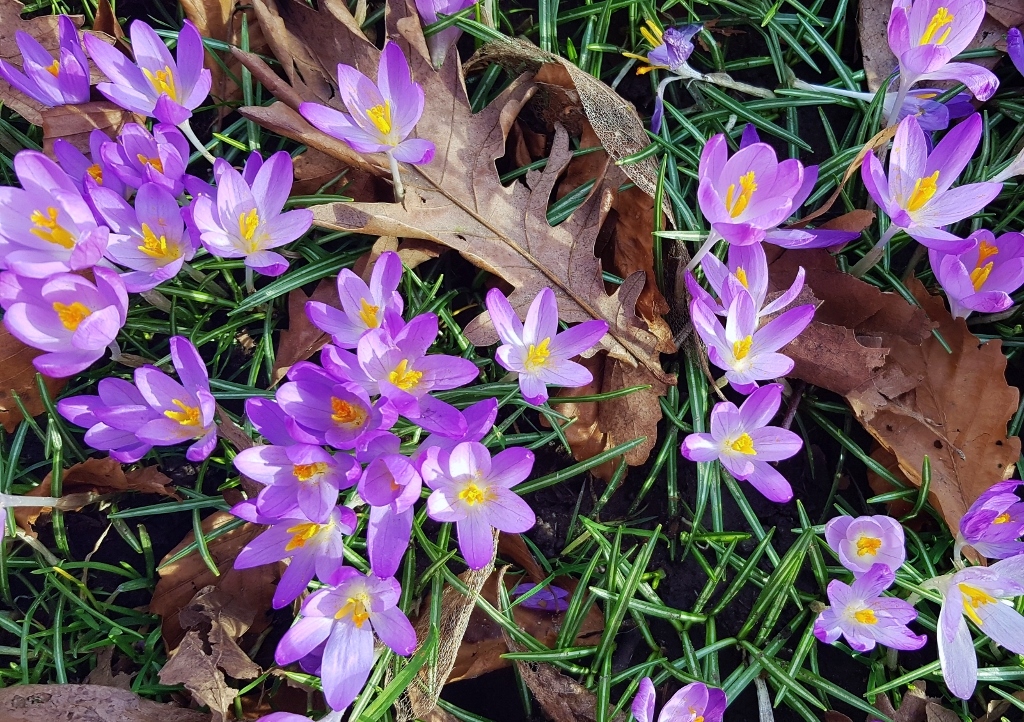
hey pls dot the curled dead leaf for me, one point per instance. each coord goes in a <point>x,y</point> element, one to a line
<point>86,703</point>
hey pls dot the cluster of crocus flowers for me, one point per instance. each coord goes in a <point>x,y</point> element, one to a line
<point>982,277</point>
<point>52,81</point>
<point>696,702</point>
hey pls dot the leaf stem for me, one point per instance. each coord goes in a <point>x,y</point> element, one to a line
<point>874,255</point>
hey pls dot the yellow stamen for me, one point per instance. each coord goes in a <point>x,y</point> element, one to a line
<point>156,246</point>
<point>403,377</point>
<point>155,163</point>
<point>96,172</point>
<point>380,116</point>
<point>49,230</point>
<point>924,189</point>
<point>973,599</point>
<point>356,607</point>
<point>940,19</point>
<point>188,416</point>
<point>743,444</point>
<point>368,313</point>
<point>537,355</point>
<point>305,472</point>
<point>473,494</point>
<point>865,616</point>
<point>1002,518</point>
<point>652,34</point>
<point>346,414</point>
<point>301,533</point>
<point>53,68</point>
<point>868,545</point>
<point>741,276</point>
<point>985,251</point>
<point>748,184</point>
<point>247,224</point>
<point>980,275</point>
<point>741,348</point>
<point>72,314</point>
<point>162,82</point>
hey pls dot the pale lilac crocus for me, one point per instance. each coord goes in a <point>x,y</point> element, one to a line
<point>744,443</point>
<point>865,541</point>
<point>391,486</point>
<point>982,277</point>
<point>746,351</point>
<point>311,548</point>
<point>479,421</point>
<point>696,702</point>
<point>546,599</point>
<point>246,221</point>
<point>536,351</point>
<point>63,80</point>
<point>114,396</point>
<point>80,166</point>
<point>864,617</point>
<point>439,43</point>
<point>1015,48</point>
<point>140,157</point>
<point>474,491</point>
<point>994,523</point>
<point>917,194</point>
<point>300,476</point>
<point>345,619</point>
<point>746,271</point>
<point>362,306</point>
<point>269,420</point>
<point>150,239</point>
<point>925,35</point>
<point>979,594</point>
<point>46,226</point>
<point>919,102</point>
<point>69,317</point>
<point>380,116</point>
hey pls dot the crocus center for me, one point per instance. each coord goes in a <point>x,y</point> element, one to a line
<point>743,444</point>
<point>153,162</point>
<point>924,189</point>
<point>71,314</point>
<point>356,607</point>
<point>868,546</point>
<point>404,377</point>
<point>473,494</point>
<point>1002,518</point>
<point>380,116</point>
<point>155,246</point>
<point>95,172</point>
<point>737,203</point>
<point>741,276</point>
<point>162,82</point>
<point>187,416</point>
<point>368,313</point>
<point>301,533</point>
<point>537,355</point>
<point>655,38</point>
<point>346,414</point>
<point>973,599</point>
<point>982,270</point>
<point>865,616</point>
<point>941,19</point>
<point>305,472</point>
<point>49,230</point>
<point>248,222</point>
<point>53,68</point>
<point>741,348</point>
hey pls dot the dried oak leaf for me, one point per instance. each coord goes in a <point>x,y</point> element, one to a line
<point>916,706</point>
<point>19,377</point>
<point>222,20</point>
<point>86,703</point>
<point>302,339</point>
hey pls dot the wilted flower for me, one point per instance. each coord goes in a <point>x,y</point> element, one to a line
<point>696,702</point>
<point>536,351</point>
<point>982,277</point>
<point>52,82</point>
<point>475,491</point>
<point>865,618</point>
<point>741,439</point>
<point>390,485</point>
<point>670,50</point>
<point>46,226</point>
<point>156,85</point>
<point>78,166</point>
<point>994,523</point>
<point>745,272</point>
<point>139,157</point>
<point>1015,48</point>
<point>865,541</point>
<point>69,317</point>
<point>117,399</point>
<point>438,43</point>
<point>344,617</point>
<point>362,307</point>
<point>548,599</point>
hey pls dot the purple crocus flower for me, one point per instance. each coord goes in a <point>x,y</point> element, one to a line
<point>741,439</point>
<point>390,485</point>
<point>745,272</point>
<point>982,277</point>
<point>345,617</point>
<point>745,352</point>
<point>115,397</point>
<point>439,43</point>
<point>696,702</point>
<point>995,522</point>
<point>380,116</point>
<point>269,420</point>
<point>150,238</point>
<point>78,166</point>
<point>475,491</point>
<point>479,421</point>
<point>865,618</point>
<point>865,541</point>
<point>247,221</point>
<point>920,102</point>
<point>52,82</point>
<point>536,351</point>
<point>977,593</point>
<point>139,157</point>
<point>546,599</point>
<point>1015,48</point>
<point>670,50</point>
<point>299,476</point>
<point>362,307</point>
<point>155,85</point>
<point>69,317</point>
<point>46,226</point>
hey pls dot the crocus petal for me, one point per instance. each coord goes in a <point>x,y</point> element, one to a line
<point>476,541</point>
<point>348,658</point>
<point>982,82</point>
<point>395,630</point>
<point>957,657</point>
<point>303,637</point>
<point>643,703</point>
<point>770,483</point>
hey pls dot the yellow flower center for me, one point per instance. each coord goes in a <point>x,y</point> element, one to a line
<point>404,377</point>
<point>537,355</point>
<point>155,163</point>
<point>981,272</point>
<point>380,116</point>
<point>162,82</point>
<point>346,414</point>
<point>748,184</point>
<point>865,616</point>
<point>924,189</point>
<point>96,172</point>
<point>247,224</point>
<point>940,19</point>
<point>743,444</point>
<point>53,68</point>
<point>305,472</point>
<point>71,315</point>
<point>973,599</point>
<point>301,533</point>
<point>49,230</point>
<point>868,546</point>
<point>156,246</point>
<point>368,313</point>
<point>741,276</point>
<point>741,348</point>
<point>472,494</point>
<point>356,607</point>
<point>1002,518</point>
<point>188,416</point>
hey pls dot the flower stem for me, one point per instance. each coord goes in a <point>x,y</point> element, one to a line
<point>250,281</point>
<point>713,238</point>
<point>396,175</point>
<point>874,255</point>
<point>186,128</point>
<point>203,280</point>
<point>115,356</point>
<point>901,95</point>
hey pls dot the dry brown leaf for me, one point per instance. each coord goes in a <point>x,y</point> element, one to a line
<point>74,123</point>
<point>86,703</point>
<point>1009,13</point>
<point>916,706</point>
<point>833,716</point>
<point>103,673</point>
<point>222,20</point>
<point>106,22</point>
<point>854,221</point>
<point>302,339</point>
<point>315,172</point>
<point>19,377</point>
